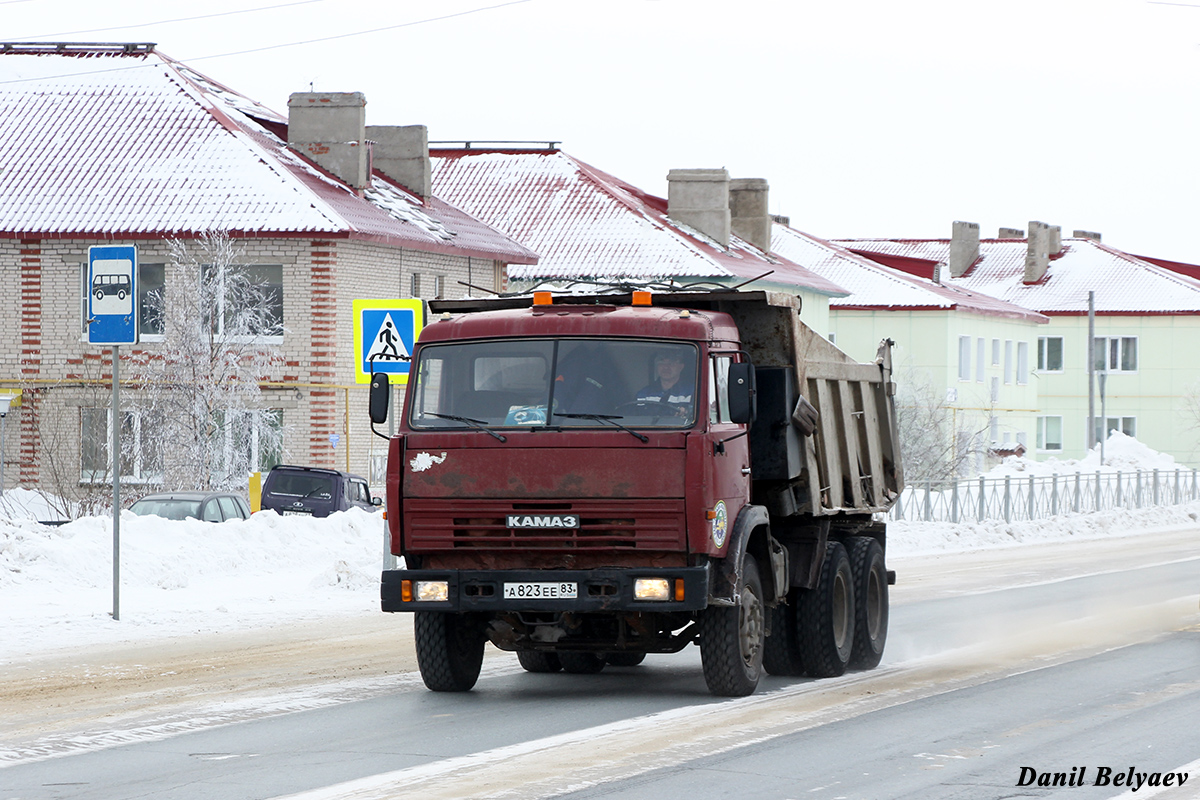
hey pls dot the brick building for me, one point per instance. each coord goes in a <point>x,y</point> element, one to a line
<point>119,144</point>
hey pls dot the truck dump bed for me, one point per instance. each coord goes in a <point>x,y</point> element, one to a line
<point>850,462</point>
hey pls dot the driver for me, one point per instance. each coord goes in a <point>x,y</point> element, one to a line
<point>668,388</point>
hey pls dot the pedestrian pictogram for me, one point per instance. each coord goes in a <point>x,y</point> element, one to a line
<point>385,332</point>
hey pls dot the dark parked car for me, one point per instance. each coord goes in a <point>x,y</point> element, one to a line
<point>207,506</point>
<point>311,491</point>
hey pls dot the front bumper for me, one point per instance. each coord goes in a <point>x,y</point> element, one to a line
<point>598,590</point>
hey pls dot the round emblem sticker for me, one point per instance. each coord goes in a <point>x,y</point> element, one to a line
<point>720,524</point>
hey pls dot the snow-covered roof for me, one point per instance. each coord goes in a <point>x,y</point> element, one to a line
<point>585,223</point>
<point>126,142</point>
<point>1123,284</point>
<point>874,286</point>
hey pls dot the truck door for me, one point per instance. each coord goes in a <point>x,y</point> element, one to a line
<point>728,448</point>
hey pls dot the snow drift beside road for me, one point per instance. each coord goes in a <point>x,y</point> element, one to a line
<point>188,577</point>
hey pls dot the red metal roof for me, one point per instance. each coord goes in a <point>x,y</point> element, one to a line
<point>588,224</point>
<point>110,143</point>
<point>1123,283</point>
<point>876,286</point>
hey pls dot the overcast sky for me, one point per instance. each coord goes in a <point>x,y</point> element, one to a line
<point>869,118</point>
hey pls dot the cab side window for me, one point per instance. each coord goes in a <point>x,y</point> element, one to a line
<point>718,388</point>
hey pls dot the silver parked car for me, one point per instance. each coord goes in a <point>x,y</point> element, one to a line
<point>207,506</point>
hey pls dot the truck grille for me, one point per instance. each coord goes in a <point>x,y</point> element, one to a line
<point>603,525</point>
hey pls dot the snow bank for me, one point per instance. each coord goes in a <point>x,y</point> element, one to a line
<point>1121,453</point>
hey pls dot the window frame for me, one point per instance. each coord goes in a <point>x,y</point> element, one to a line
<point>1043,358</point>
<point>964,358</point>
<point>1041,441</point>
<point>1105,356</point>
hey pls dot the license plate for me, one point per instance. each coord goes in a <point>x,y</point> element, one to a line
<point>540,591</point>
<point>297,513</point>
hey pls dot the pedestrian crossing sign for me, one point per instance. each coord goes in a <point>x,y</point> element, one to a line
<point>385,332</point>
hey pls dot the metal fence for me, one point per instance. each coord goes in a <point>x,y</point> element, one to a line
<point>1015,498</point>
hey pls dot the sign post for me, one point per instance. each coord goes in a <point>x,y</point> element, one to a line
<point>113,320</point>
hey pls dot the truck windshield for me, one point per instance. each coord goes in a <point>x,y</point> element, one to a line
<point>569,383</point>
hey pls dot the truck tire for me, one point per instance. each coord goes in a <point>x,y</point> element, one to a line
<point>731,638</point>
<point>579,663</point>
<point>538,661</point>
<point>449,650</point>
<point>825,617</point>
<point>870,602</point>
<point>781,651</point>
<point>625,659</point>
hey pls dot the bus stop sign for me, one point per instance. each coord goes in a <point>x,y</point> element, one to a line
<point>112,295</point>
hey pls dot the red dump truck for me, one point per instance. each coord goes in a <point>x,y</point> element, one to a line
<point>586,479</point>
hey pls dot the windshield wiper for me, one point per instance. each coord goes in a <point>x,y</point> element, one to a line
<point>611,419</point>
<point>474,423</point>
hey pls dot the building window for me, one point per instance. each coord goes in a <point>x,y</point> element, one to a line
<point>1116,353</point>
<point>964,358</point>
<point>1126,425</point>
<point>832,338</point>
<point>1049,433</point>
<point>1008,361</point>
<point>150,286</point>
<point>979,350</point>
<point>414,285</point>
<point>1022,363</point>
<point>249,301</point>
<point>250,441</point>
<point>141,447</point>
<point>439,287</point>
<point>1050,354</point>
<point>995,352</point>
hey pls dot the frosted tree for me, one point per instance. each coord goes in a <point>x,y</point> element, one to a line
<point>198,409</point>
<point>936,444</point>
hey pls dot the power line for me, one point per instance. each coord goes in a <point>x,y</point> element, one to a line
<point>366,32</point>
<point>286,44</point>
<point>158,22</point>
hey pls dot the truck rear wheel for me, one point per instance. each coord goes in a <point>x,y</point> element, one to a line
<point>781,652</point>
<point>731,638</point>
<point>870,602</point>
<point>825,617</point>
<point>449,650</point>
<point>537,661</point>
<point>578,663</point>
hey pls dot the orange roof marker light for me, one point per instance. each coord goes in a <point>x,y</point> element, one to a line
<point>543,299</point>
<point>641,298</point>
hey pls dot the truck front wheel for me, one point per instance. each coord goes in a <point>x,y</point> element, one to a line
<point>731,638</point>
<point>449,650</point>
<point>825,617</point>
<point>870,602</point>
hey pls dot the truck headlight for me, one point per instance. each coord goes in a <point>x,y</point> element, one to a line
<point>433,591</point>
<point>652,589</point>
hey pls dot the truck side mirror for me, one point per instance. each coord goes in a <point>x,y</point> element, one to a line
<point>743,400</point>
<point>381,396</point>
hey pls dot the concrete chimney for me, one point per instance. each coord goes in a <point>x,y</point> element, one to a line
<point>1037,252</point>
<point>402,153</point>
<point>1095,237</point>
<point>1011,233</point>
<point>748,215</point>
<point>1055,240</point>
<point>699,198</point>
<point>964,247</point>
<point>329,128</point>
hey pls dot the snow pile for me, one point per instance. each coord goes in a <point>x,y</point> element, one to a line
<point>180,577</point>
<point>1121,453</point>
